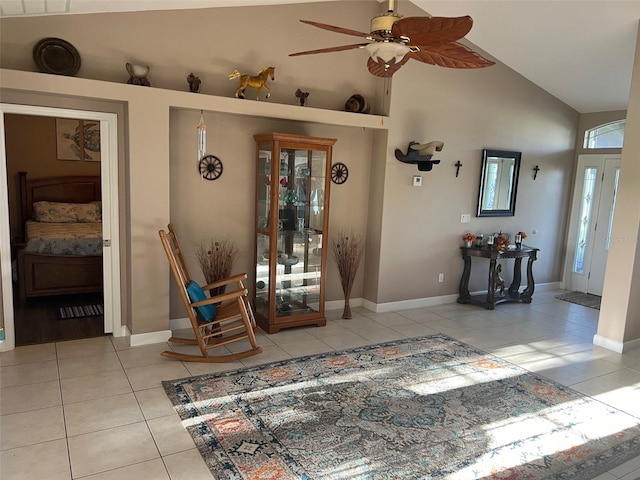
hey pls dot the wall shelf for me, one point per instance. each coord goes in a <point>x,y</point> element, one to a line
<point>122,92</point>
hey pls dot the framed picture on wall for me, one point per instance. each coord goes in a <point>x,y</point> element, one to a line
<point>78,139</point>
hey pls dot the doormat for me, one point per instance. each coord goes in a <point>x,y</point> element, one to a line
<point>584,299</point>
<point>422,408</point>
<point>79,311</point>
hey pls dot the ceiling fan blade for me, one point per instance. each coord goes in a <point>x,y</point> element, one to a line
<point>432,31</point>
<point>379,69</point>
<point>346,31</point>
<point>330,49</point>
<point>451,55</point>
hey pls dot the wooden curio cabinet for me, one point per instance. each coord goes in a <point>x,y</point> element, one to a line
<point>292,218</point>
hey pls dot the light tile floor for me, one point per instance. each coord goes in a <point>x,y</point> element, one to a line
<point>95,408</point>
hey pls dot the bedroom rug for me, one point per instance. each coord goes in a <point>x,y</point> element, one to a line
<point>580,298</point>
<point>423,408</point>
<point>79,311</point>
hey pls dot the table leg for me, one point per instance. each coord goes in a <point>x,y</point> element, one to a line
<point>492,285</point>
<point>528,293</point>
<point>463,289</point>
<point>515,284</point>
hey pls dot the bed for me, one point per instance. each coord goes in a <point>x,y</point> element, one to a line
<point>61,236</point>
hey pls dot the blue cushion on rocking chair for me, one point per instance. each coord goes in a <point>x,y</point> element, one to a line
<point>206,313</point>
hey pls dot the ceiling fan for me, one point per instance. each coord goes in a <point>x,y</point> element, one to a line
<point>394,40</point>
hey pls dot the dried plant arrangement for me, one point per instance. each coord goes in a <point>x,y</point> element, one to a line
<point>347,249</point>
<point>216,258</point>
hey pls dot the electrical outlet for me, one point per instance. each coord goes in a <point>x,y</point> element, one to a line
<point>441,278</point>
<point>465,218</point>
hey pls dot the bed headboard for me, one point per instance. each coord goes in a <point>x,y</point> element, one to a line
<point>73,189</point>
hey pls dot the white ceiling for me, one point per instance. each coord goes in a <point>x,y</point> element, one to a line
<point>580,51</point>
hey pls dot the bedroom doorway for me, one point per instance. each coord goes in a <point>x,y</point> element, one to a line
<point>110,231</point>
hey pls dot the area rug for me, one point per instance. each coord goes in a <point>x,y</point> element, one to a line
<point>79,311</point>
<point>580,298</point>
<point>423,408</point>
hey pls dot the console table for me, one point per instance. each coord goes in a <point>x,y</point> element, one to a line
<point>493,297</point>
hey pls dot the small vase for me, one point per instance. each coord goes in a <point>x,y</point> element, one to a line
<point>468,244</point>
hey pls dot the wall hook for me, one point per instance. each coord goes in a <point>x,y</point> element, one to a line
<point>536,169</point>
<point>457,165</point>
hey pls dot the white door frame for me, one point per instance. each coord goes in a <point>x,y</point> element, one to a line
<point>571,280</point>
<point>110,222</point>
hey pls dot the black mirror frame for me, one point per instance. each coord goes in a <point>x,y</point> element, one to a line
<point>510,212</point>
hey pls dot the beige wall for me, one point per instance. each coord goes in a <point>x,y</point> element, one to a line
<point>202,209</point>
<point>210,43</point>
<point>412,233</point>
<point>468,111</point>
<point>620,311</point>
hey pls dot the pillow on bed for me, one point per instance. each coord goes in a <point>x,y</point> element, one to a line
<point>89,212</point>
<point>57,212</point>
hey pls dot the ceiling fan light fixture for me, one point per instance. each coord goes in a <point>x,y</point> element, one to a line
<point>388,52</point>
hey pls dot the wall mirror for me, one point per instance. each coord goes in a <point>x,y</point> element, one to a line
<point>498,183</point>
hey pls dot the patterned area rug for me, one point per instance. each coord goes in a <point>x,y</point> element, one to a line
<point>79,311</point>
<point>584,299</point>
<point>423,408</point>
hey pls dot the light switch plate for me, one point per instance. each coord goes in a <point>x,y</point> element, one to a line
<point>417,181</point>
<point>465,218</point>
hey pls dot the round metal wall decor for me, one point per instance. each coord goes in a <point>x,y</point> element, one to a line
<point>339,173</point>
<point>210,167</point>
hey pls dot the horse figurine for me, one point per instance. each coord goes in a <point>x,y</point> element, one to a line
<point>258,81</point>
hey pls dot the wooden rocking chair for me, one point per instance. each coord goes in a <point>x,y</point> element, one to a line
<point>216,321</point>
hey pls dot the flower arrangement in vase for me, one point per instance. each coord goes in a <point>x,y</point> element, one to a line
<point>502,241</point>
<point>469,238</point>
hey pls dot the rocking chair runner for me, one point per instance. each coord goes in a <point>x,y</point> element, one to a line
<point>216,321</point>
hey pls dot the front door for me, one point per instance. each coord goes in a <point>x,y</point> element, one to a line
<point>591,221</point>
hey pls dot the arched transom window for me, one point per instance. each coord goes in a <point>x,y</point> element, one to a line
<point>609,135</point>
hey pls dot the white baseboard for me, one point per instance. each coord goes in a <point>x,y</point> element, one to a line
<point>615,345</point>
<point>408,304</point>
<point>149,338</point>
<point>339,304</point>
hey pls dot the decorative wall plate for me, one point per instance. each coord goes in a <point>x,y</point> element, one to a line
<point>339,173</point>
<point>210,167</point>
<point>57,56</point>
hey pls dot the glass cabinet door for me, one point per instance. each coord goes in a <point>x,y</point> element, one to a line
<point>291,211</point>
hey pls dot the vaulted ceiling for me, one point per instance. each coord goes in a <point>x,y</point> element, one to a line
<point>580,51</point>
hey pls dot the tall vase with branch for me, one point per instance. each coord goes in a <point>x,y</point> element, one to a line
<point>216,258</point>
<point>347,249</point>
